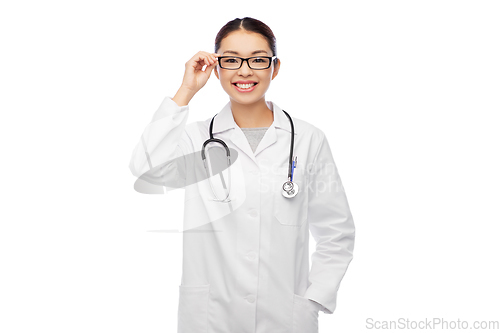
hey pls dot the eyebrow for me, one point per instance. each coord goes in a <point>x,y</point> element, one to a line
<point>254,52</point>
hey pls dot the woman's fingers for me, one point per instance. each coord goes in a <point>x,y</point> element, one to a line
<point>211,57</point>
<point>194,76</point>
<point>206,59</point>
<point>203,58</point>
<point>210,60</point>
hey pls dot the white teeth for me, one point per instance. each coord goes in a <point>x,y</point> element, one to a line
<point>245,86</point>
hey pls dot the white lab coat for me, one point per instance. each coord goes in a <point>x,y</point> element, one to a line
<point>246,269</point>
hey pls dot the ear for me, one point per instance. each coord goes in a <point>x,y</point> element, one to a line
<point>276,68</point>
<point>216,71</point>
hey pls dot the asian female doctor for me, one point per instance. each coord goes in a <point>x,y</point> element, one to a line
<point>246,269</point>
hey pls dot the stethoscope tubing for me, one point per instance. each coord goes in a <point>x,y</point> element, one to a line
<point>291,165</point>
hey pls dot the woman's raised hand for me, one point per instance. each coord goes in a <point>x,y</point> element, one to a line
<point>194,77</point>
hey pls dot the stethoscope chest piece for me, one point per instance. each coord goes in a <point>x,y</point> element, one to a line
<point>290,189</point>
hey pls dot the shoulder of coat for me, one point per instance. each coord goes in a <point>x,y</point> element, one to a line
<point>306,128</point>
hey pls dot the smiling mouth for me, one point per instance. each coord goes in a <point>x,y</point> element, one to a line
<point>245,86</point>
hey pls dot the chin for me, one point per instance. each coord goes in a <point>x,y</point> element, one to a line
<point>245,98</point>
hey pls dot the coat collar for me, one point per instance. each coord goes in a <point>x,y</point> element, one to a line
<point>224,121</point>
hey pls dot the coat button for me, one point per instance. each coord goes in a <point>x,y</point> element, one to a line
<point>250,298</point>
<point>253,213</point>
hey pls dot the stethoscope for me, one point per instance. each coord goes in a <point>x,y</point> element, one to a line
<point>289,188</point>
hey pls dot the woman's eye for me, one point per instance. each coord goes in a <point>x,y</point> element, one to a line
<point>258,60</point>
<point>229,60</point>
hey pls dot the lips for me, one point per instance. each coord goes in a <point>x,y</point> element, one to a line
<point>244,84</point>
<point>245,87</point>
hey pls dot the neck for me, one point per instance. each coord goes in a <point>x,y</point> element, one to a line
<point>252,115</point>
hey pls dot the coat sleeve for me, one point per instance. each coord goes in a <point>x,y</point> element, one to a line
<point>159,158</point>
<point>332,227</point>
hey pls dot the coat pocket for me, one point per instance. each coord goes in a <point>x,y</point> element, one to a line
<point>291,211</point>
<point>193,309</point>
<point>305,315</point>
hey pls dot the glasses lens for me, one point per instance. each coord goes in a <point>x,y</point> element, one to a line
<point>230,63</point>
<point>259,63</point>
<point>234,63</point>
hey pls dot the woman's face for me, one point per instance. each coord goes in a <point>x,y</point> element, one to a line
<point>243,44</point>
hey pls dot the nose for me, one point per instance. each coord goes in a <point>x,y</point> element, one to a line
<point>245,70</point>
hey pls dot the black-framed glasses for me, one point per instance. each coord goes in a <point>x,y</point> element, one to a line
<point>232,62</point>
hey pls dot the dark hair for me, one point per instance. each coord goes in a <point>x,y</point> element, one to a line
<point>251,25</point>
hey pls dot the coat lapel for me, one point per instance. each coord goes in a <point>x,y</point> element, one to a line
<point>280,123</point>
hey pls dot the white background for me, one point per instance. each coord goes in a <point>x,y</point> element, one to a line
<point>406,91</point>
